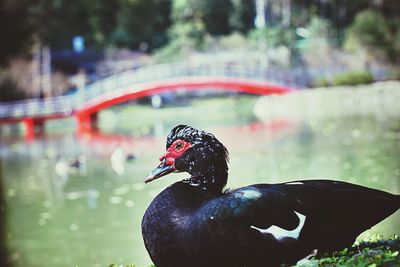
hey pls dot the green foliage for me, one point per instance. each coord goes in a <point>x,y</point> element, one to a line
<point>187,33</point>
<point>196,22</point>
<point>190,34</point>
<point>319,29</point>
<point>67,21</point>
<point>15,29</point>
<point>186,38</point>
<point>141,21</point>
<point>371,31</point>
<point>9,89</point>
<point>193,22</point>
<point>154,23</point>
<point>395,28</point>
<point>216,15</point>
<point>213,14</point>
<point>317,47</point>
<point>323,82</point>
<point>233,41</point>
<point>185,10</point>
<point>376,252</point>
<point>126,23</point>
<point>242,16</point>
<point>353,78</point>
<point>273,36</point>
<point>372,254</point>
<point>394,74</point>
<point>348,78</point>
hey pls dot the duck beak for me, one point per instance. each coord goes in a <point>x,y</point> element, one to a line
<point>161,170</point>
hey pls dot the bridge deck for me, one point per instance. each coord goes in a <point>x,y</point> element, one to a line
<point>251,77</point>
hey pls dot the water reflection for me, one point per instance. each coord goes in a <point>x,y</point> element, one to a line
<point>3,248</point>
<point>78,200</point>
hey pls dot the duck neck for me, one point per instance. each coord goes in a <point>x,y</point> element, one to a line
<point>212,179</point>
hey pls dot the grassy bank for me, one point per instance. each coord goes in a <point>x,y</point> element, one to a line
<point>377,252</point>
<point>319,104</point>
<point>374,253</point>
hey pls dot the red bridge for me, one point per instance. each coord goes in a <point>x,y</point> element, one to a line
<point>86,104</point>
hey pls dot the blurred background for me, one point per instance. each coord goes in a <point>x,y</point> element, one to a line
<point>295,89</point>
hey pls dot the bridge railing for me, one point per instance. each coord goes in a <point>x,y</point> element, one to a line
<point>62,105</point>
<point>120,83</point>
<point>293,78</point>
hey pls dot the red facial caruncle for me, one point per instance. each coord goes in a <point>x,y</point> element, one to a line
<point>175,151</point>
<point>167,165</point>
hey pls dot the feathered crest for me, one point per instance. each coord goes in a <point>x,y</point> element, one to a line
<point>195,136</point>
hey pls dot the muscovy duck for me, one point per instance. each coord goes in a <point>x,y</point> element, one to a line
<point>195,222</point>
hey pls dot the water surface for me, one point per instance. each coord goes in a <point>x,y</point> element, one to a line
<point>90,216</point>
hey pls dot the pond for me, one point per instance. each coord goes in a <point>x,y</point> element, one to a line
<point>78,200</point>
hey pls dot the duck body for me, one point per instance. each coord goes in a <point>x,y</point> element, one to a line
<point>195,223</point>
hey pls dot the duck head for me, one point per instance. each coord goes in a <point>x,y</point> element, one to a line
<point>194,151</point>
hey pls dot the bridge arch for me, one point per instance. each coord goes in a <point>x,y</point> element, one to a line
<point>87,114</point>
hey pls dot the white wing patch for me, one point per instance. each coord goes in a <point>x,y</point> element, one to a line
<point>280,233</point>
<point>250,193</point>
<point>295,183</point>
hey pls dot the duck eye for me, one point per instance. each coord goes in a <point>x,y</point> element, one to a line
<point>179,146</point>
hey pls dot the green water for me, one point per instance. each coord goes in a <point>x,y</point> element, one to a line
<point>91,216</point>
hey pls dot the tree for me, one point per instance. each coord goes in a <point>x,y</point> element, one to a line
<point>188,27</point>
<point>15,29</point>
<point>370,31</point>
<point>213,14</point>
<point>142,22</point>
<point>216,16</point>
<point>124,23</point>
<point>187,32</point>
<point>68,19</point>
<point>243,15</point>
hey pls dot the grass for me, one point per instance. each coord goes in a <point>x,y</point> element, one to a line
<point>376,252</point>
<point>373,253</point>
